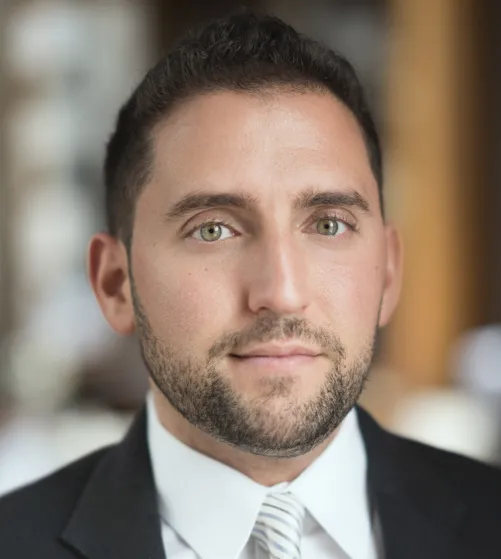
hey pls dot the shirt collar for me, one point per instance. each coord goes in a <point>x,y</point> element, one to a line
<point>334,490</point>
<point>213,507</point>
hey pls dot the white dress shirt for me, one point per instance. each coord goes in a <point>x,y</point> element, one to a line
<point>208,509</point>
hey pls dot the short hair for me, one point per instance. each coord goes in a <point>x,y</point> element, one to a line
<point>243,52</point>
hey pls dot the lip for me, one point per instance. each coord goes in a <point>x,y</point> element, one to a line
<point>278,351</point>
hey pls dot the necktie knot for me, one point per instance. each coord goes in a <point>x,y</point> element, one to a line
<point>279,526</point>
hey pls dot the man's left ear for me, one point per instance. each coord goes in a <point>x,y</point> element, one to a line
<point>393,279</point>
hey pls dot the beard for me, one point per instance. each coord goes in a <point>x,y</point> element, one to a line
<point>207,400</point>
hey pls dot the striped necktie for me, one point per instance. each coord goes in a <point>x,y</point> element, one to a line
<point>279,526</point>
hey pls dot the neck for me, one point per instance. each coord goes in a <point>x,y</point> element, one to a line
<point>264,470</point>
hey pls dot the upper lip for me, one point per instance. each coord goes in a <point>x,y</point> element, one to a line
<point>277,350</point>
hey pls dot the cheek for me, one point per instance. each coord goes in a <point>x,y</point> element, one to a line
<point>350,298</point>
<point>187,306</point>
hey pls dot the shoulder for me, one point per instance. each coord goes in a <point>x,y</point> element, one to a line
<point>430,470</point>
<point>447,485</point>
<point>41,509</point>
<point>478,482</point>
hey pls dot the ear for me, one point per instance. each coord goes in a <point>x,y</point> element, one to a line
<point>108,270</point>
<point>393,277</point>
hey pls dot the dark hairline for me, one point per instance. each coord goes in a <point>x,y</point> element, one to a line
<point>243,51</point>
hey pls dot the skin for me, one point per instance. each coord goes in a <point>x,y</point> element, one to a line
<point>274,275</point>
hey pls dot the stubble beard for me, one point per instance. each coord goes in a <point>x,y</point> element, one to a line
<point>206,399</point>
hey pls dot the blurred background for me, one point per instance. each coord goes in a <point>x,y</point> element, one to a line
<point>431,69</point>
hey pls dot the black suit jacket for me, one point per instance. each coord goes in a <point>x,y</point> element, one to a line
<point>431,504</point>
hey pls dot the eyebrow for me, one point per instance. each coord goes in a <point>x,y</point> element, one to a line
<point>312,198</point>
<point>205,201</point>
<point>305,200</point>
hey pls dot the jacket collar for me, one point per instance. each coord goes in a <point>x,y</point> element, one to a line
<point>420,515</point>
<point>116,516</point>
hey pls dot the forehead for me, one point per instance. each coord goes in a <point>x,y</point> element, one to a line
<point>272,144</point>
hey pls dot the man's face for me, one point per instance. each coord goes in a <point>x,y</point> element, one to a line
<point>259,265</point>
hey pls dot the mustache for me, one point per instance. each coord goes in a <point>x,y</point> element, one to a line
<point>268,329</point>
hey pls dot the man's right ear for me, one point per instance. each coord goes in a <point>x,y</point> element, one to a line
<point>108,270</point>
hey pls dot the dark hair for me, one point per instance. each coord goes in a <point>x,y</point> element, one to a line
<point>241,52</point>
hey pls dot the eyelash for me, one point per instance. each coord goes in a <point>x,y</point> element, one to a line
<point>349,223</point>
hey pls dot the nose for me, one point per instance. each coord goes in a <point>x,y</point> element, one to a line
<point>277,279</point>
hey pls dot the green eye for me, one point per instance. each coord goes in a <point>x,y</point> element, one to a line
<point>211,232</point>
<point>328,226</point>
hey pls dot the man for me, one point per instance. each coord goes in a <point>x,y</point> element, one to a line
<point>248,250</point>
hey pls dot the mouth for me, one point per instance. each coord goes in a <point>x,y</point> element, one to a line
<point>275,357</point>
<point>275,350</point>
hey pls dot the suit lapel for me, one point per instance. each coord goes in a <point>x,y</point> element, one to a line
<point>419,515</point>
<point>117,515</point>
